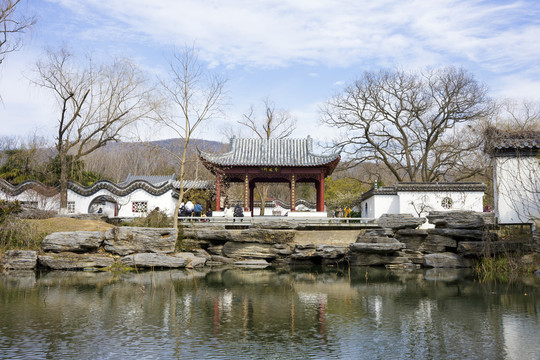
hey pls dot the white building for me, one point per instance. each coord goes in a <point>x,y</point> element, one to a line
<point>134,197</point>
<point>516,175</point>
<point>420,198</point>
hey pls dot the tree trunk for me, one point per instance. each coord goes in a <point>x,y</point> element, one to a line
<point>64,168</point>
<point>263,194</point>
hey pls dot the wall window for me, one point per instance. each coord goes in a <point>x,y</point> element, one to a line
<point>447,203</point>
<point>139,206</point>
<point>71,207</point>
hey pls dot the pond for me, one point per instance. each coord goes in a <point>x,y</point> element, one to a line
<point>288,313</point>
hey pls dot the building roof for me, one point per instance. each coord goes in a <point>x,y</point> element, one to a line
<point>416,186</point>
<point>123,189</point>
<point>155,180</point>
<point>504,143</point>
<point>273,152</point>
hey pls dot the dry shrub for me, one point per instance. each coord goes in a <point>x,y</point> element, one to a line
<point>155,219</point>
<point>19,234</point>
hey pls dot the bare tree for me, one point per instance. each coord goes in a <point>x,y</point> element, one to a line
<point>407,121</point>
<point>275,123</point>
<point>517,115</point>
<point>95,104</point>
<point>11,25</point>
<point>196,95</point>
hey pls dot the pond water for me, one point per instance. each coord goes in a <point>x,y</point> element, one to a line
<point>300,313</point>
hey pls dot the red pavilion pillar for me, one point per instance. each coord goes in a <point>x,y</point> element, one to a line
<point>293,193</point>
<point>218,192</point>
<point>320,193</point>
<point>246,193</point>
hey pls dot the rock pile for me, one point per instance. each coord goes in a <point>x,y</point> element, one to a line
<point>456,240</point>
<point>79,250</point>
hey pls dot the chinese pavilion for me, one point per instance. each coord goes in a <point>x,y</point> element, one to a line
<point>289,161</point>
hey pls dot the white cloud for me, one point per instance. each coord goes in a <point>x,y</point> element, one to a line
<point>269,33</point>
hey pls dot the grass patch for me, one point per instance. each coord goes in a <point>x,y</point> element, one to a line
<point>58,224</point>
<point>504,268</point>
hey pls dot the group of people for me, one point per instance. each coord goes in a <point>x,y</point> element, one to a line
<point>346,212</point>
<point>236,212</point>
<point>188,209</point>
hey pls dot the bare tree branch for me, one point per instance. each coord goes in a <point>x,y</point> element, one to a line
<point>196,95</point>
<point>96,104</point>
<point>406,120</point>
<point>11,26</point>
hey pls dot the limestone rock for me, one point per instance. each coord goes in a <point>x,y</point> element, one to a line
<point>19,260</point>
<point>464,234</point>
<point>74,261</point>
<point>332,251</point>
<point>260,263</point>
<point>446,260</point>
<point>304,252</point>
<point>376,239</point>
<point>193,260</point>
<point>74,241</point>
<point>362,259</point>
<point>270,233</point>
<point>202,253</point>
<point>148,260</point>
<point>400,221</point>
<point>128,240</point>
<point>420,233</point>
<point>482,248</point>
<point>461,219</point>
<point>305,246</point>
<point>264,236</point>
<point>380,232</point>
<point>376,248</point>
<point>414,256</point>
<point>242,250</point>
<point>213,232</point>
<point>437,243</point>
<point>282,249</point>
<point>278,224</point>
<point>215,250</point>
<point>221,260</point>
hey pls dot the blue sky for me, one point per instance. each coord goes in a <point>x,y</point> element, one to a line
<point>298,53</point>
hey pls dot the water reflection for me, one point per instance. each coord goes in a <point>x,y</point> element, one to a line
<point>301,313</point>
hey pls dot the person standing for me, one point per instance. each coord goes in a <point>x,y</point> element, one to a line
<point>197,210</point>
<point>189,208</point>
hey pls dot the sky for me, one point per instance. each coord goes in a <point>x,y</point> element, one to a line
<point>296,53</point>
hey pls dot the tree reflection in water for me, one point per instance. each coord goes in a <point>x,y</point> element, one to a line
<point>274,313</point>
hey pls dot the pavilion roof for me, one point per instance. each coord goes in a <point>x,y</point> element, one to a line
<point>273,152</point>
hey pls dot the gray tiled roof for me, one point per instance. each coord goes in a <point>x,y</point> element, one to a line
<point>532,142</point>
<point>273,152</point>
<point>415,186</point>
<point>152,179</point>
<point>503,143</point>
<point>195,184</point>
